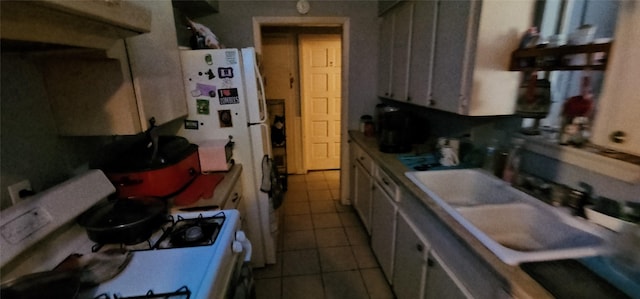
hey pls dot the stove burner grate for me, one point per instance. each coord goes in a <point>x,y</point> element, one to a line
<point>177,232</point>
<point>189,232</point>
<point>181,293</point>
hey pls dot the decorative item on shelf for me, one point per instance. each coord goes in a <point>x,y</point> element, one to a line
<point>576,116</point>
<point>530,38</point>
<point>203,37</point>
<point>277,131</point>
<point>534,100</point>
<point>583,35</point>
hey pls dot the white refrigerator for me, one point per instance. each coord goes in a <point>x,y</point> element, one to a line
<point>225,96</point>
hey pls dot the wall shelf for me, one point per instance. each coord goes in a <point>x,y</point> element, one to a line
<point>597,159</point>
<point>563,58</point>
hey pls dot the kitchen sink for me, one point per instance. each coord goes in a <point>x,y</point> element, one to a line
<point>463,187</point>
<point>516,227</point>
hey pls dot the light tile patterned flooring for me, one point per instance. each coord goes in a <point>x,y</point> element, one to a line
<point>323,250</point>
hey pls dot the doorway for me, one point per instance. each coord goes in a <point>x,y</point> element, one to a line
<point>302,65</point>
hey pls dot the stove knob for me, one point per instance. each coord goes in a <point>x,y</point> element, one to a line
<point>236,247</point>
<point>240,236</point>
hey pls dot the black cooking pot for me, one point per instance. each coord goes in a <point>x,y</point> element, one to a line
<point>125,220</point>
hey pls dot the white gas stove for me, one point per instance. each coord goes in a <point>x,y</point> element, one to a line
<point>192,255</point>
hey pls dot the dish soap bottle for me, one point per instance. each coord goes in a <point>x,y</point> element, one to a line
<point>512,167</point>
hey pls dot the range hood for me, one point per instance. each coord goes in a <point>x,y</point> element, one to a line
<point>86,24</point>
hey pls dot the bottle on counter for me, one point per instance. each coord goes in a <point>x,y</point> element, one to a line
<point>512,166</point>
<point>489,157</point>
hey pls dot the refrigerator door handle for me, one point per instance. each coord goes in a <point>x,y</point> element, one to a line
<point>261,95</point>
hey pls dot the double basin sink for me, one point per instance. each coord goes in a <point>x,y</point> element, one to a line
<point>515,226</point>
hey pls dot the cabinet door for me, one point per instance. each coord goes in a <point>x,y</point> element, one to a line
<point>384,58</point>
<point>410,261</point>
<point>155,64</point>
<point>117,91</point>
<point>620,102</point>
<point>422,44</point>
<point>450,52</point>
<point>363,188</point>
<point>401,52</point>
<point>383,229</point>
<point>441,283</point>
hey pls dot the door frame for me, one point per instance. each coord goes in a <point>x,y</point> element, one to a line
<point>343,23</point>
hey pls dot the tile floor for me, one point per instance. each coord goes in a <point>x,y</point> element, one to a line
<point>323,250</point>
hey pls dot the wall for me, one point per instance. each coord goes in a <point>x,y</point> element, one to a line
<point>30,146</point>
<point>233,26</point>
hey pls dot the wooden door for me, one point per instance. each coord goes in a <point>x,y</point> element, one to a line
<point>320,69</point>
<point>280,74</point>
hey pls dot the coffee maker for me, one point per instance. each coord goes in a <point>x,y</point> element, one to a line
<point>395,133</point>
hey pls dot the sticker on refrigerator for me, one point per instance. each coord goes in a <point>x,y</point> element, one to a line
<point>224,116</point>
<point>210,74</point>
<point>230,56</point>
<point>190,124</point>
<point>228,96</point>
<point>204,90</point>
<point>202,106</point>
<point>225,72</point>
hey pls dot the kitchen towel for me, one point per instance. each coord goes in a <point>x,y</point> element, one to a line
<point>202,187</point>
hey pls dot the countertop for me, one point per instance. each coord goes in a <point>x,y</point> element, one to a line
<point>519,283</point>
<point>221,192</point>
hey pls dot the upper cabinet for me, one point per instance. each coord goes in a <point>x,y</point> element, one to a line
<point>395,52</point>
<point>473,45</point>
<point>460,54</point>
<point>117,91</point>
<point>421,62</point>
<point>616,123</point>
<point>89,24</point>
<point>196,8</point>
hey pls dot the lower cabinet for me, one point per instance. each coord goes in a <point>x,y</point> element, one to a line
<point>441,283</point>
<point>362,198</point>
<point>383,229</point>
<point>419,272</point>
<point>411,254</point>
<point>418,254</point>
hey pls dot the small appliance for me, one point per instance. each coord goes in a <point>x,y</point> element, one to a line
<point>396,132</point>
<point>216,155</point>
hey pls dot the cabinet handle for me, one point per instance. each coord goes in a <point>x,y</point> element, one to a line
<point>361,158</point>
<point>431,103</point>
<point>419,247</point>
<point>618,137</point>
<point>408,99</point>
<point>384,180</point>
<point>236,196</point>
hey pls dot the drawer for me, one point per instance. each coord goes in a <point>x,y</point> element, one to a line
<point>385,181</point>
<point>233,199</point>
<point>363,158</point>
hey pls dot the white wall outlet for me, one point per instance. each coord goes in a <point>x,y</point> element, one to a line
<point>14,190</point>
